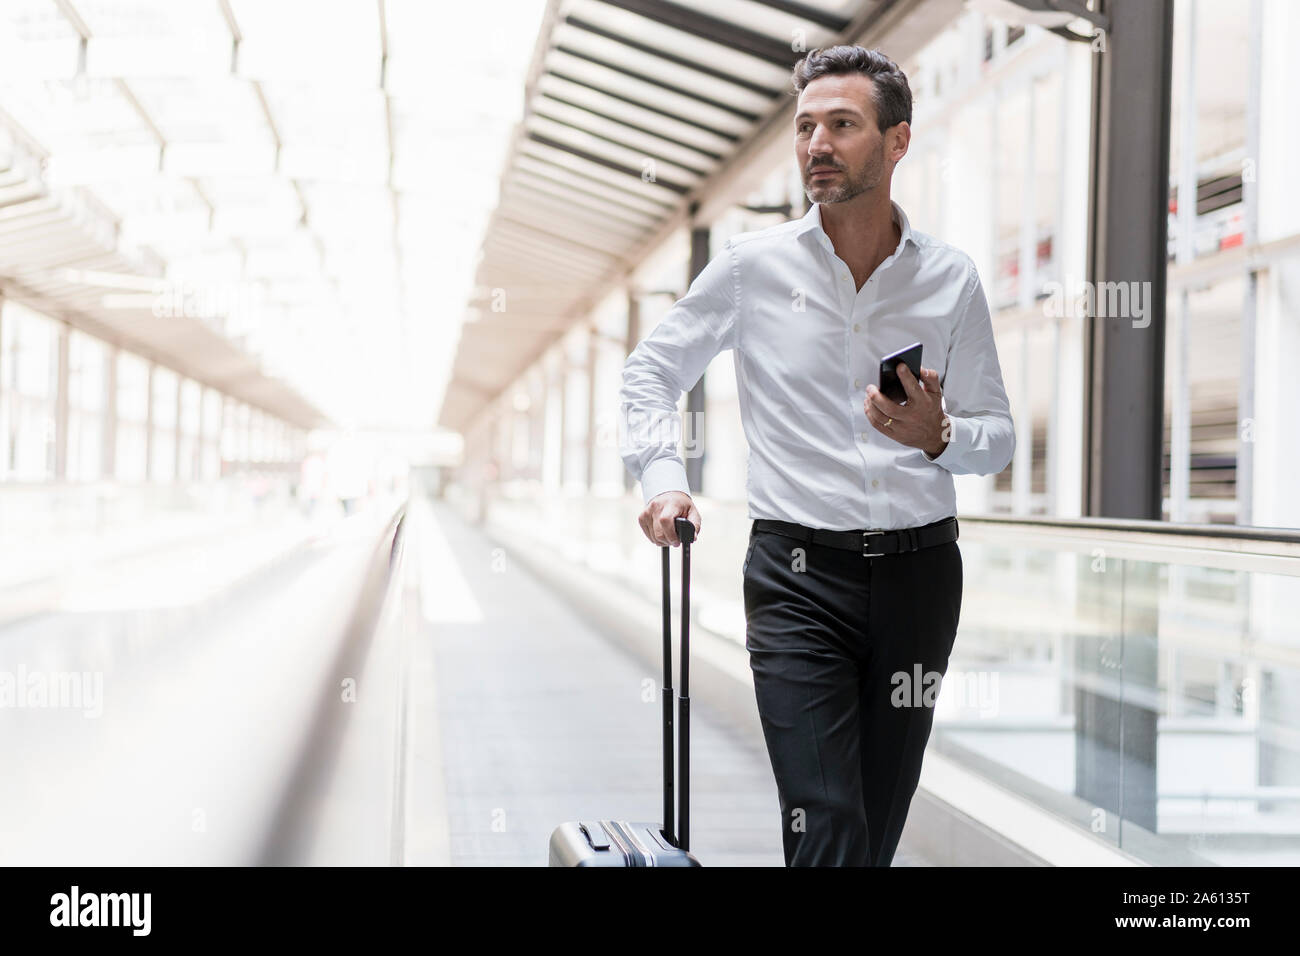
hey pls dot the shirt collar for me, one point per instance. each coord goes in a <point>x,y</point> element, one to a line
<point>812,223</point>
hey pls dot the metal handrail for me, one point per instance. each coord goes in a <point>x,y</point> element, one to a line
<point>1232,532</point>
<point>288,832</point>
<point>1228,547</point>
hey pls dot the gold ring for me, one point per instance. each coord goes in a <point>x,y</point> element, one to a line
<point>888,423</point>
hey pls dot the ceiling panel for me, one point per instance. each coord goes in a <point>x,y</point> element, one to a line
<point>632,106</point>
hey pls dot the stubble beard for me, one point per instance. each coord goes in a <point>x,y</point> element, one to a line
<point>868,177</point>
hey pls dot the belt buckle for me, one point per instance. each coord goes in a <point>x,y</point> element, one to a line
<point>865,552</point>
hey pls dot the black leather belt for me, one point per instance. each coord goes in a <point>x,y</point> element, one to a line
<point>870,544</point>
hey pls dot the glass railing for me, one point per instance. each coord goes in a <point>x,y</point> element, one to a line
<point>1140,679</point>
<point>1137,678</point>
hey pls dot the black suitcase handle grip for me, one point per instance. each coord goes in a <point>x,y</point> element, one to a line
<point>685,530</point>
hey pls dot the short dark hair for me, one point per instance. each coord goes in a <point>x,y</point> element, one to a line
<point>889,90</point>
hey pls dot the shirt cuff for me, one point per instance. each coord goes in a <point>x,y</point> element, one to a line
<point>959,439</point>
<point>664,474</point>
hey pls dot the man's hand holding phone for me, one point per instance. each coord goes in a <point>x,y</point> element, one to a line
<point>921,423</point>
<point>657,518</point>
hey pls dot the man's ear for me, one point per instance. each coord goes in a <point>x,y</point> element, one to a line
<point>900,137</point>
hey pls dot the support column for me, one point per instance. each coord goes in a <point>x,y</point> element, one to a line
<point>148,424</point>
<point>1275,451</point>
<point>1115,713</point>
<point>589,466</point>
<point>223,440</point>
<point>1022,464</point>
<point>178,438</point>
<point>1245,483</point>
<point>108,450</point>
<point>1071,240</point>
<point>201,436</point>
<point>1053,466</point>
<point>966,219</point>
<point>1180,414</point>
<point>565,375</point>
<point>553,441</point>
<point>4,399</point>
<point>632,337</point>
<point>1128,189</point>
<point>1023,414</point>
<point>694,418</point>
<point>536,380</point>
<point>61,418</point>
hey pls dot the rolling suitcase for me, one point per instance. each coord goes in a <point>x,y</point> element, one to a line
<point>617,842</point>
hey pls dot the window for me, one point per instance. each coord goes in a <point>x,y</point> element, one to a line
<point>28,393</point>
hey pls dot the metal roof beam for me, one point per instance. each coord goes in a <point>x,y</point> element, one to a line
<point>806,11</point>
<point>684,144</point>
<point>538,181</point>
<point>589,252</point>
<point>658,157</point>
<point>746,115</point>
<point>723,32</point>
<point>673,58</point>
<point>543,273</point>
<point>641,104</point>
<point>539,187</point>
<point>522,253</point>
<point>582,216</point>
<point>549,277</point>
<point>585,232</point>
<point>603,189</point>
<point>145,118</point>
<point>74,19</point>
<point>602,161</point>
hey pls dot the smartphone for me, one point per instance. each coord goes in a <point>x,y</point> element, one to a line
<point>889,382</point>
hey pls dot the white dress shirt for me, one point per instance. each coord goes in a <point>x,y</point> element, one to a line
<point>807,343</point>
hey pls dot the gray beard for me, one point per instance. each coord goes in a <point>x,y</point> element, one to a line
<point>850,186</point>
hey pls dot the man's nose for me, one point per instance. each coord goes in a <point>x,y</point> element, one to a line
<point>819,145</point>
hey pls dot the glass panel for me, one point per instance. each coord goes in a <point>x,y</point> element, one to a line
<point>1143,699</point>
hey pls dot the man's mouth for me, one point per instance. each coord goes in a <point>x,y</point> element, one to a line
<point>822,171</point>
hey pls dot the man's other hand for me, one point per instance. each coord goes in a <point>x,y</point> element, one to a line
<point>921,423</point>
<point>657,518</point>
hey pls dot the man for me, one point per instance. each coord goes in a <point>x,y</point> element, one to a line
<point>853,577</point>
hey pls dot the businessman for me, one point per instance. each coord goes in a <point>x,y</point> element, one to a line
<point>853,576</point>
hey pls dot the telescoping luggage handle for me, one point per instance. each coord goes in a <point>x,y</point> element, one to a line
<point>681,837</point>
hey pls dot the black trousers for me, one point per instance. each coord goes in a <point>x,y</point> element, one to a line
<point>847,652</point>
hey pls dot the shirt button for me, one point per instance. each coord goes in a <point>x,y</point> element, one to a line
<point>856,327</point>
<point>844,278</point>
<point>875,482</point>
<point>862,435</point>
<point>857,383</point>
